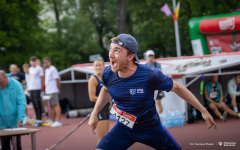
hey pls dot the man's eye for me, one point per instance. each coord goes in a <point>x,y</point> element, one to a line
<point>117,51</point>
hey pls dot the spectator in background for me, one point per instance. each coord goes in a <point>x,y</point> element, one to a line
<point>214,96</point>
<point>26,92</point>
<point>12,107</point>
<point>158,95</point>
<point>35,87</point>
<point>25,86</point>
<point>38,62</point>
<point>16,74</point>
<point>52,88</point>
<point>234,91</point>
<point>45,102</point>
<point>94,87</point>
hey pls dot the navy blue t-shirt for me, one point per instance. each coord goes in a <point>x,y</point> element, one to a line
<point>19,76</point>
<point>135,94</point>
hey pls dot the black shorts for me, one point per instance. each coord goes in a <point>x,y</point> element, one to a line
<point>104,113</point>
<point>28,99</point>
<point>238,99</point>
<point>228,99</point>
<point>160,95</point>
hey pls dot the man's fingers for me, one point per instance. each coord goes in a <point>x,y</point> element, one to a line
<point>92,126</point>
<point>93,121</point>
<point>208,123</point>
<point>211,123</point>
<point>92,129</point>
<point>209,126</point>
<point>214,124</point>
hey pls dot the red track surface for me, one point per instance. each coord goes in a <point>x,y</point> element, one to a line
<point>189,136</point>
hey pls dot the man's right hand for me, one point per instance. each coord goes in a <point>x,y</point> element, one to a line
<point>93,121</point>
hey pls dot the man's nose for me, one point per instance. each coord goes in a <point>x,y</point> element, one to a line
<point>111,54</point>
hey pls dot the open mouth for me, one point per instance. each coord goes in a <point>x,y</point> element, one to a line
<point>113,63</point>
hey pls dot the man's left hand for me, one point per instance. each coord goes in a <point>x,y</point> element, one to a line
<point>209,120</point>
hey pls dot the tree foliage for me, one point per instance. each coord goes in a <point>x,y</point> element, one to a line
<point>19,31</point>
<point>154,30</point>
<point>104,15</point>
<point>79,28</point>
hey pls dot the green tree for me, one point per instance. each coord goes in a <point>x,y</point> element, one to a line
<point>104,16</point>
<point>76,37</point>
<point>84,27</point>
<point>122,16</point>
<point>154,30</point>
<point>151,27</point>
<point>20,34</point>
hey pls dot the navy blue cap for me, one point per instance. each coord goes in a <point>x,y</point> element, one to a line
<point>129,42</point>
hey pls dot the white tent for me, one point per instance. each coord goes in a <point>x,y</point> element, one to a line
<point>185,70</point>
<point>189,70</point>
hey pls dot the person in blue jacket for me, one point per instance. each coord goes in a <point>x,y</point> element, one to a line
<point>12,107</point>
<point>131,86</point>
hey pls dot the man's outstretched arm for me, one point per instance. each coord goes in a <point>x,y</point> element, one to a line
<point>103,98</point>
<point>185,94</point>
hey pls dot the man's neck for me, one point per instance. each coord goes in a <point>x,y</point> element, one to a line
<point>150,62</point>
<point>127,71</point>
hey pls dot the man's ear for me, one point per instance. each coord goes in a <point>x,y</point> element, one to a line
<point>131,57</point>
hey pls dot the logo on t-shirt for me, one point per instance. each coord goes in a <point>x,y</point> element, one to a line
<point>136,91</point>
<point>132,91</point>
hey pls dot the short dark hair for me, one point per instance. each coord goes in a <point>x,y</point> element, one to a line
<point>47,58</point>
<point>236,75</point>
<point>116,39</point>
<point>26,65</point>
<point>33,58</point>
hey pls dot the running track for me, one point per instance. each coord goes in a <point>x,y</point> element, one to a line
<point>189,137</point>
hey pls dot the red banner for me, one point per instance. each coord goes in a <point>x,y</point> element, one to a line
<point>221,43</point>
<point>220,24</point>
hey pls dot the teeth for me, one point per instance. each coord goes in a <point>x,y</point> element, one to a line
<point>114,64</point>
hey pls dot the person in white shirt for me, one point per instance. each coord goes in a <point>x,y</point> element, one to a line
<point>234,91</point>
<point>52,88</point>
<point>25,88</point>
<point>35,86</point>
